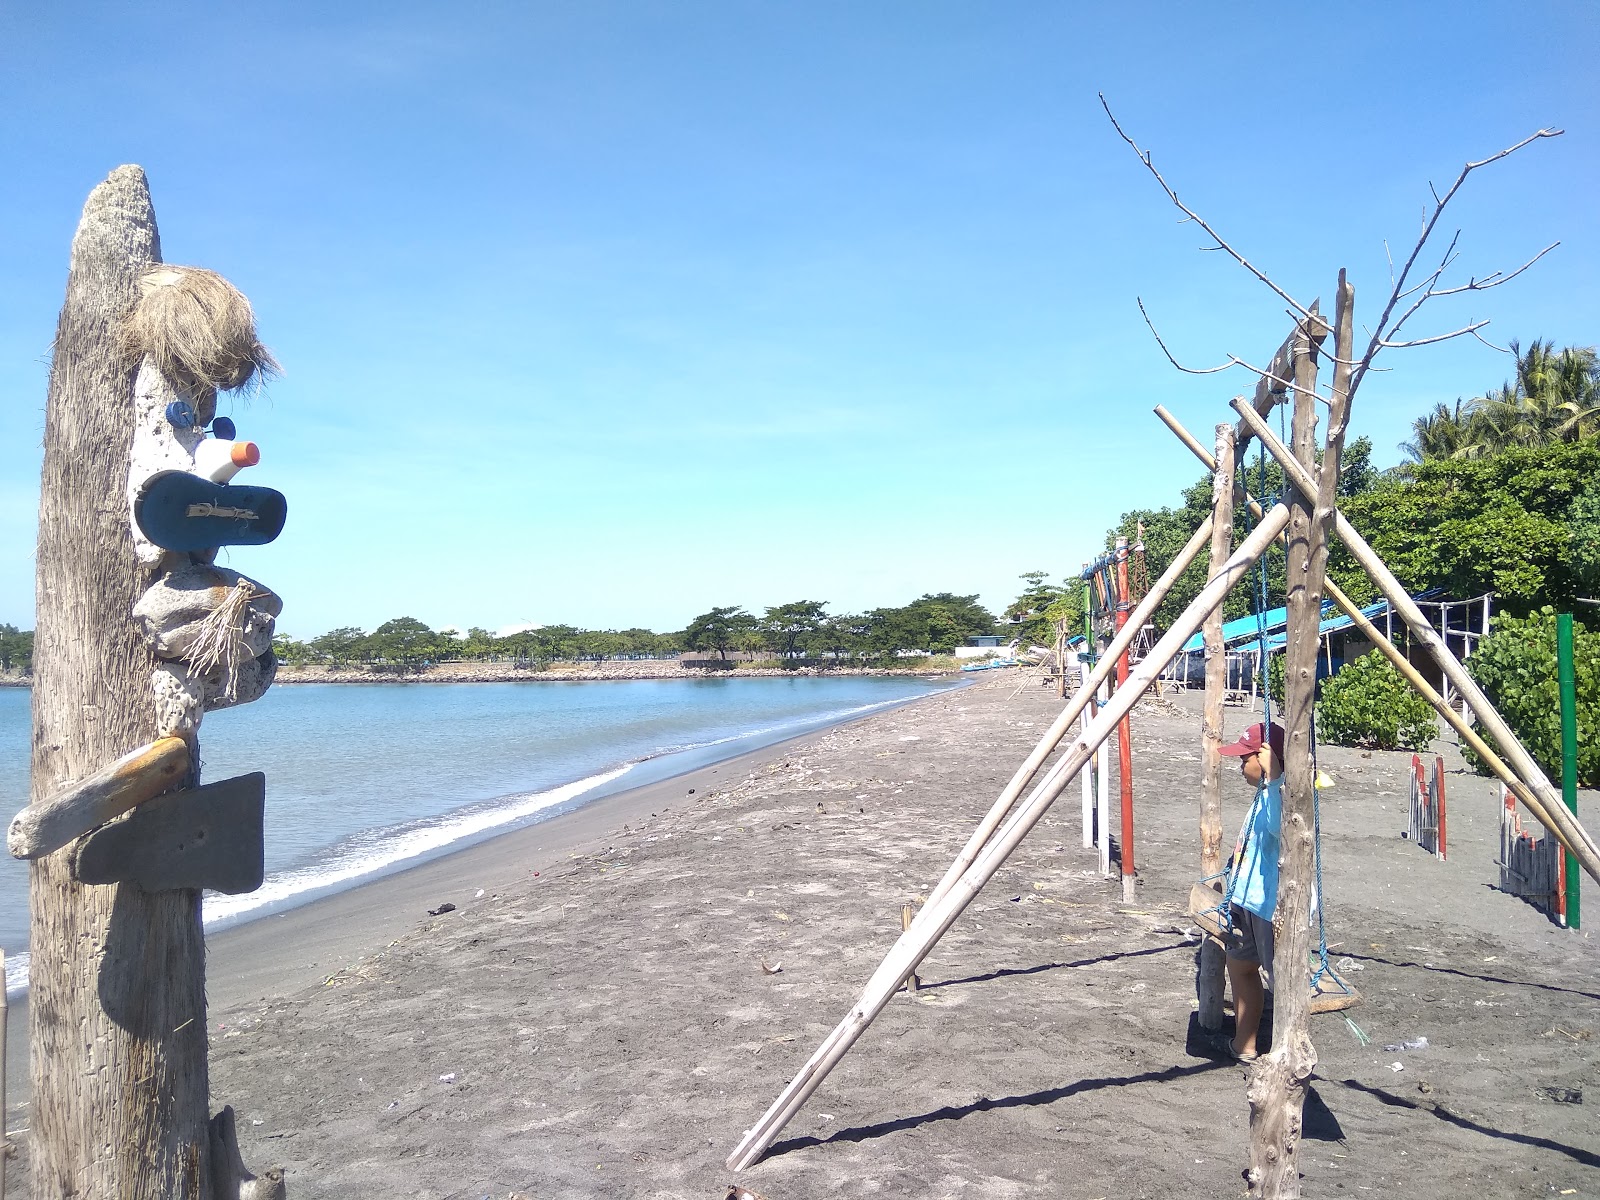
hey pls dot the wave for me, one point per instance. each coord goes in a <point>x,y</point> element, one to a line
<point>380,850</point>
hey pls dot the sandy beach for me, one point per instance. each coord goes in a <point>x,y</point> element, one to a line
<point>620,992</point>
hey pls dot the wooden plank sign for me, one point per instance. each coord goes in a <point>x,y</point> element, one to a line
<point>180,511</point>
<point>111,791</point>
<point>205,837</point>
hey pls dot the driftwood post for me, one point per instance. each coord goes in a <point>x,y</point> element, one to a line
<point>1210,977</point>
<point>1278,1082</point>
<point>117,1006</point>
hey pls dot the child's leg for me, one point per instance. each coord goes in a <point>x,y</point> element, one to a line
<point>1248,999</point>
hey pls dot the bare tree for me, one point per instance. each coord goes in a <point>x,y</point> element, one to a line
<point>1277,1085</point>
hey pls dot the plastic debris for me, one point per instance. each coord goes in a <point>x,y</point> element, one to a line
<point>1397,1066</point>
<point>1560,1095</point>
<point>1361,1034</point>
<point>448,1077</point>
<point>1418,1043</point>
<point>479,895</point>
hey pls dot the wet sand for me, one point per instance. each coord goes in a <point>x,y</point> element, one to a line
<point>640,979</point>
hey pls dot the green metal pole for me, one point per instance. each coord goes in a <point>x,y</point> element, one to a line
<point>1569,749</point>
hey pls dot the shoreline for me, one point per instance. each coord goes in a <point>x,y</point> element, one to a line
<point>251,959</point>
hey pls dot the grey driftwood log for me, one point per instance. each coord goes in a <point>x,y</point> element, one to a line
<point>117,1006</point>
<point>134,778</point>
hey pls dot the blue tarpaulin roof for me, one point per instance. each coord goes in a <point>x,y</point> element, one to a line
<point>1248,629</point>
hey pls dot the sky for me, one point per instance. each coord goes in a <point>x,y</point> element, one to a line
<point>608,313</point>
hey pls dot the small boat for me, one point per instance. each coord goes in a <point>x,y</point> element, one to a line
<point>992,665</point>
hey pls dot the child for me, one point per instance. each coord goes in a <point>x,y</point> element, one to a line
<point>1253,887</point>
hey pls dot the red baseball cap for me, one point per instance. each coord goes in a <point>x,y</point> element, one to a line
<point>1250,742</point>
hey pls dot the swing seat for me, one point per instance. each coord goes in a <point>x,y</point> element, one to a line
<point>1331,994</point>
<point>1205,909</point>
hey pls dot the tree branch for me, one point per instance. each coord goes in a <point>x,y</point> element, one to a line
<point>1442,337</point>
<point>1222,243</point>
<point>1382,331</point>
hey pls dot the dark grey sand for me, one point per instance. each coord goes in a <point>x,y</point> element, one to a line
<point>599,1022</point>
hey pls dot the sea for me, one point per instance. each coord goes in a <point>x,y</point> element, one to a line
<point>367,779</point>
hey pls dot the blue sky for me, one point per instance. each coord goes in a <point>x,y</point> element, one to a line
<point>608,313</point>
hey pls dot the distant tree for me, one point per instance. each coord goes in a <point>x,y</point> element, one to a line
<point>479,644</point>
<point>748,640</point>
<point>791,629</point>
<point>715,630</point>
<point>16,649</point>
<point>935,623</point>
<point>343,645</point>
<point>405,640</point>
<point>601,644</point>
<point>1033,614</point>
<point>291,652</point>
<point>843,636</point>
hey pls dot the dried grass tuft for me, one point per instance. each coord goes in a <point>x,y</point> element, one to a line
<point>220,640</point>
<point>198,330</point>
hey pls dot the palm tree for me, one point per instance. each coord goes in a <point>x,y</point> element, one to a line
<point>1446,432</point>
<point>1554,397</point>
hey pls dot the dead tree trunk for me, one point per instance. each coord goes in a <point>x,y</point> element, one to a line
<point>117,1006</point>
<point>1210,978</point>
<point>1277,1084</point>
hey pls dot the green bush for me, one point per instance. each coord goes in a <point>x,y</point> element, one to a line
<point>1516,666</point>
<point>1275,670</point>
<point>1369,704</point>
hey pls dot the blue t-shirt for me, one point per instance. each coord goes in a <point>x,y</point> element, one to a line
<point>1255,871</point>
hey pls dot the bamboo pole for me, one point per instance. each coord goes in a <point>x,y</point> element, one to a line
<point>1086,777</point>
<point>1102,789</point>
<point>1383,640</point>
<point>1125,731</point>
<point>937,916</point>
<point>1466,687</point>
<point>1210,978</point>
<point>1069,715</point>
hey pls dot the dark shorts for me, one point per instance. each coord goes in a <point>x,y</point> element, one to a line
<point>1249,937</point>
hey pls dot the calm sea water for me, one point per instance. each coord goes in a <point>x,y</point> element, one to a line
<point>367,779</point>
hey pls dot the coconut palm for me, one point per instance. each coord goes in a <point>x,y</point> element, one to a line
<point>1448,432</point>
<point>1554,397</point>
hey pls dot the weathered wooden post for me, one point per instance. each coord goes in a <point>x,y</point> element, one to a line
<point>1278,1081</point>
<point>1210,976</point>
<point>117,1003</point>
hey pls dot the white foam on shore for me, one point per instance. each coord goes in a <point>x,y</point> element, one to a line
<point>377,852</point>
<point>390,848</point>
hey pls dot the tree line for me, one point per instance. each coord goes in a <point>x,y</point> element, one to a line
<point>935,623</point>
<point>797,631</point>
